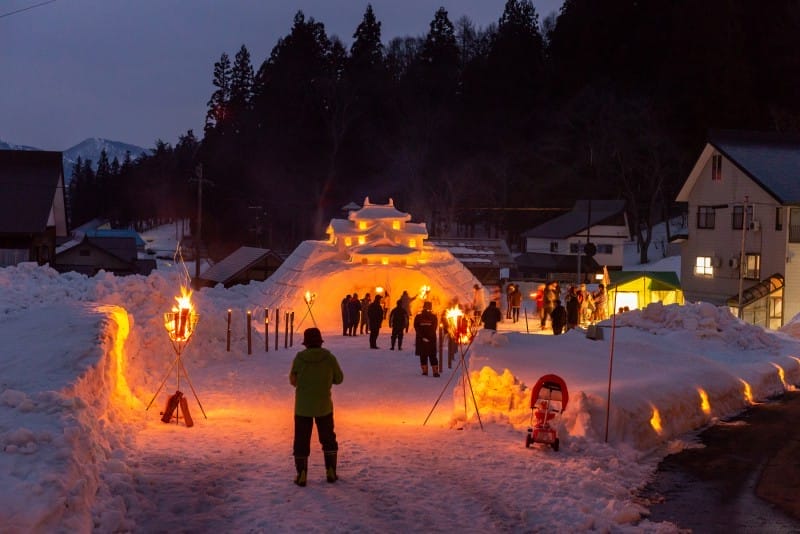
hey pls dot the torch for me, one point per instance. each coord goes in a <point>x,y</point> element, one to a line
<point>180,324</point>
<point>309,299</point>
<point>462,331</point>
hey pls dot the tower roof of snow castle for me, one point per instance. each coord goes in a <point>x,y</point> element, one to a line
<point>374,212</point>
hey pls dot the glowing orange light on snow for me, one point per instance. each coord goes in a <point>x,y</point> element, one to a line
<point>121,389</point>
<point>748,392</point>
<point>704,404</point>
<point>781,375</point>
<point>655,421</point>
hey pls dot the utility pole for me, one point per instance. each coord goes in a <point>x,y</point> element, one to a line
<point>196,239</point>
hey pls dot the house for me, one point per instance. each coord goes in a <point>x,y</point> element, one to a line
<point>90,255</point>
<point>489,260</point>
<point>244,265</point>
<point>552,248</point>
<point>743,243</point>
<point>32,206</point>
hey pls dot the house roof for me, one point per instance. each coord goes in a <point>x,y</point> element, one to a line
<point>555,263</point>
<point>372,211</point>
<point>240,260</point>
<point>770,159</point>
<point>476,250</point>
<point>578,219</point>
<point>659,280</point>
<point>116,233</point>
<point>28,180</point>
<point>758,291</point>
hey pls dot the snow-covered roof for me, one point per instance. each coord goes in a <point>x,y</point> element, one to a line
<point>772,160</point>
<point>378,211</point>
<point>240,260</point>
<point>584,214</point>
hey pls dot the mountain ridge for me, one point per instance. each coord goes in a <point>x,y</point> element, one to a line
<point>88,149</point>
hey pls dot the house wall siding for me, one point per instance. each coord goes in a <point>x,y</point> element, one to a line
<point>723,241</point>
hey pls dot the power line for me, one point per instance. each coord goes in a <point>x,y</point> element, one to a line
<point>3,15</point>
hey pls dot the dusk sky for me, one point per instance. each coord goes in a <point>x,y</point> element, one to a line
<point>137,71</point>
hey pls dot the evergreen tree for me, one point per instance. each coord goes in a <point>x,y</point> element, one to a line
<point>218,104</point>
<point>241,89</point>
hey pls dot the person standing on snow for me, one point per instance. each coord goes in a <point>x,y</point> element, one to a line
<point>365,302</point>
<point>375,319</point>
<point>478,301</point>
<point>398,321</point>
<point>314,371</point>
<point>491,316</point>
<point>405,302</point>
<point>425,325</point>
<point>559,318</point>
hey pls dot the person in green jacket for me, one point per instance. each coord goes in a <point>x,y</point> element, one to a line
<point>314,371</point>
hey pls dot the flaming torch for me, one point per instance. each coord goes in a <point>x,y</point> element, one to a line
<point>309,299</point>
<point>423,292</point>
<point>180,324</point>
<point>462,330</point>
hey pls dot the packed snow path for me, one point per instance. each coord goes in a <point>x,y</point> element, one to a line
<point>234,470</point>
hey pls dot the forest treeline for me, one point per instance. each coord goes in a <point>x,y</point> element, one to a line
<point>464,126</point>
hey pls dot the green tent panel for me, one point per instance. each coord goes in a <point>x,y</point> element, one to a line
<point>649,286</point>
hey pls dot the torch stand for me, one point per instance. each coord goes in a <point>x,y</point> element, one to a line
<point>179,336</point>
<point>465,380</point>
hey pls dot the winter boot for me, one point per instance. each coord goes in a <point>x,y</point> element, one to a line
<point>330,467</point>
<point>425,370</point>
<point>301,464</point>
<point>436,371</point>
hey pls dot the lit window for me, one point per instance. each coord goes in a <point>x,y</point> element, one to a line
<point>752,269</point>
<point>362,239</point>
<point>348,241</point>
<point>362,225</point>
<point>704,266</point>
<point>384,260</point>
<point>395,225</point>
<point>716,168</point>
<point>412,243</point>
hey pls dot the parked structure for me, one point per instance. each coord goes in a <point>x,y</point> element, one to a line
<point>554,249</point>
<point>32,206</point>
<point>743,245</point>
<point>245,265</point>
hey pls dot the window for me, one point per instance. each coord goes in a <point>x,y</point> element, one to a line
<point>738,211</point>
<point>362,239</point>
<point>752,263</point>
<point>362,225</point>
<point>574,248</point>
<point>412,243</point>
<point>779,218</point>
<point>716,168</point>
<point>348,241</point>
<point>704,266</point>
<point>395,225</point>
<point>705,217</point>
<point>553,246</point>
<point>605,249</point>
<point>794,225</point>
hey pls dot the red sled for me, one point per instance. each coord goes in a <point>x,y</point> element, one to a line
<point>548,400</point>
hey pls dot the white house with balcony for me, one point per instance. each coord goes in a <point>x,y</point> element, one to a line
<point>743,244</point>
<point>553,248</point>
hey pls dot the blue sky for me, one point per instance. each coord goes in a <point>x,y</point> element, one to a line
<point>137,71</point>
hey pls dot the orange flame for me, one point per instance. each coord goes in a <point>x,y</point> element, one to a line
<point>457,325</point>
<point>423,292</point>
<point>704,404</point>
<point>655,421</point>
<point>748,392</point>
